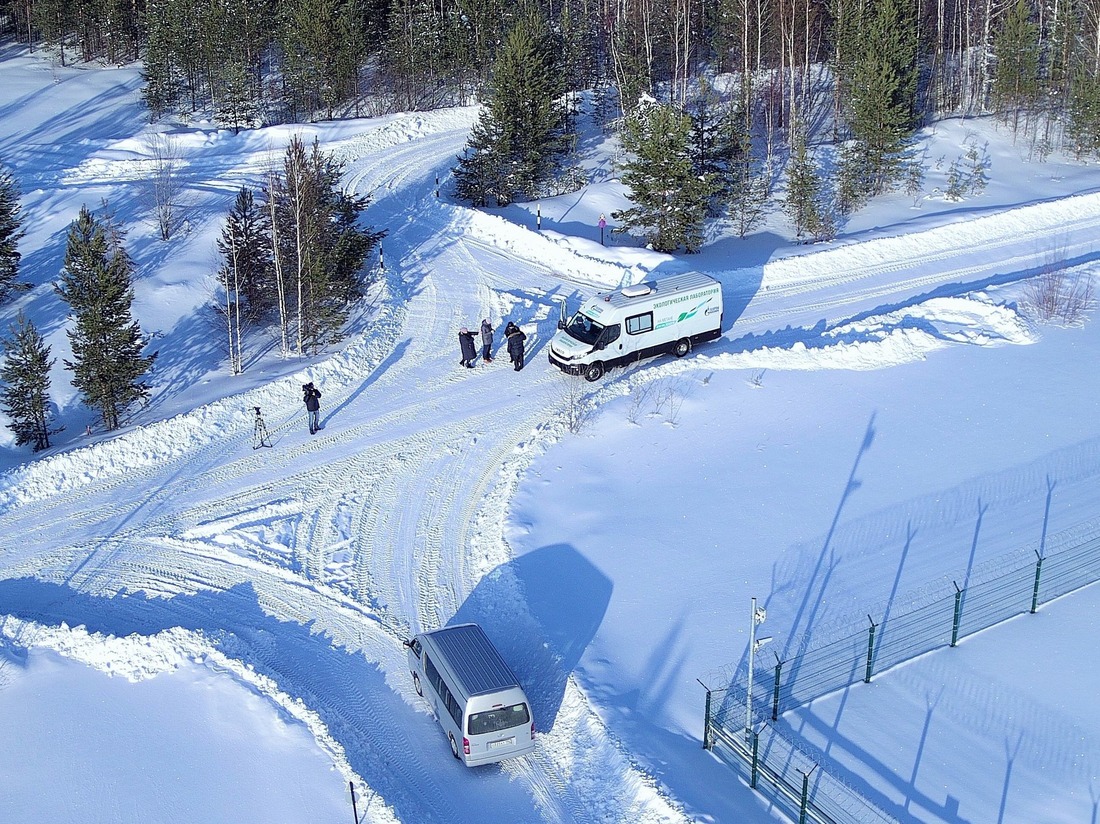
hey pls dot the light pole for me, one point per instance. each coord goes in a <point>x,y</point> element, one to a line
<point>759,615</point>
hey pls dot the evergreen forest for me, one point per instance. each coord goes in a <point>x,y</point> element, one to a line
<point>751,86</point>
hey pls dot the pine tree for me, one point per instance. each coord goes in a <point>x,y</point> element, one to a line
<point>324,46</point>
<point>246,273</point>
<point>107,344</point>
<point>236,108</point>
<point>516,145</point>
<point>670,197</point>
<point>1084,112</point>
<point>746,180</point>
<point>414,56</point>
<point>25,396</point>
<point>245,246</point>
<point>714,142</point>
<point>11,231</point>
<point>1016,72</point>
<point>878,86</point>
<point>321,248</point>
<point>805,194</point>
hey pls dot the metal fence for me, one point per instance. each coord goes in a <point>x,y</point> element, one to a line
<point>738,726</point>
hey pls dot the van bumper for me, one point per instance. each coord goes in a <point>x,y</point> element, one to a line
<point>492,757</point>
<point>570,368</point>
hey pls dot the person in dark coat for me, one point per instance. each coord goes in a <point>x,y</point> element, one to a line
<point>311,396</point>
<point>515,338</point>
<point>466,344</point>
<point>486,341</point>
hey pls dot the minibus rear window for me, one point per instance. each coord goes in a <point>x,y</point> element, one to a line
<point>504,718</point>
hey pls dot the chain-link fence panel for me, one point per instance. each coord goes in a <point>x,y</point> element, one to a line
<point>736,722</point>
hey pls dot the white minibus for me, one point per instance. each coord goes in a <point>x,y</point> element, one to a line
<point>672,314</point>
<point>474,695</point>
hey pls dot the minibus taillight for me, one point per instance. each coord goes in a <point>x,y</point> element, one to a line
<point>466,745</point>
<point>532,730</point>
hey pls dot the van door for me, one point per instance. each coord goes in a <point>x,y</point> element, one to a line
<point>607,344</point>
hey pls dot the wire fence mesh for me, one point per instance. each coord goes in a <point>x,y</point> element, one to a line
<point>738,725</point>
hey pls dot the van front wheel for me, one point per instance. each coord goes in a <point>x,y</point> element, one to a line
<point>454,745</point>
<point>681,348</point>
<point>594,371</point>
<point>416,685</point>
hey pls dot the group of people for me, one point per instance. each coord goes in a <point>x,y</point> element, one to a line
<point>512,333</point>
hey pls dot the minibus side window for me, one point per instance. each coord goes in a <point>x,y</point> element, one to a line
<point>638,324</point>
<point>454,709</point>
<point>433,676</point>
<point>440,687</point>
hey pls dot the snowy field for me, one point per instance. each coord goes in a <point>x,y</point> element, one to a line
<point>195,630</point>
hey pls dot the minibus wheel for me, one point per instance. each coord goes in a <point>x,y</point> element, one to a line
<point>416,685</point>
<point>681,348</point>
<point>594,371</point>
<point>454,746</point>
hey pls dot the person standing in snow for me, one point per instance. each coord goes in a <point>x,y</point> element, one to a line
<point>311,396</point>
<point>515,344</point>
<point>486,341</point>
<point>469,349</point>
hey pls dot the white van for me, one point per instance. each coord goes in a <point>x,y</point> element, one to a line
<point>668,315</point>
<point>474,695</point>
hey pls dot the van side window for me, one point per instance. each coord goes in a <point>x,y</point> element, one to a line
<point>453,708</point>
<point>638,324</point>
<point>433,677</point>
<point>610,333</point>
<point>440,687</point>
<point>414,645</point>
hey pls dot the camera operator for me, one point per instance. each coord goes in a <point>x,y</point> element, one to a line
<point>311,396</point>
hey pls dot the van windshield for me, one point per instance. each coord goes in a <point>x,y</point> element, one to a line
<point>502,718</point>
<point>583,328</point>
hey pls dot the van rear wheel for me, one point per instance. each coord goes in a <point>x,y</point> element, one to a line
<point>681,348</point>
<point>594,371</point>
<point>416,685</point>
<point>454,745</point>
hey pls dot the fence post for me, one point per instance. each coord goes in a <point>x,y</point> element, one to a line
<point>1035,591</point>
<point>958,615</point>
<point>805,795</point>
<point>706,724</point>
<point>870,650</point>
<point>775,692</point>
<point>755,750</point>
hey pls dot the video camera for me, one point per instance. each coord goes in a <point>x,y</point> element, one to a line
<point>307,386</point>
<point>257,410</point>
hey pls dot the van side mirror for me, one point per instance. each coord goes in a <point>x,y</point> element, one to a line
<point>561,324</point>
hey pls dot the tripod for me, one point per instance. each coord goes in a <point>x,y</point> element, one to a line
<point>259,431</point>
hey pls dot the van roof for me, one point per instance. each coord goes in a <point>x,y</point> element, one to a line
<point>664,286</point>
<point>473,659</point>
